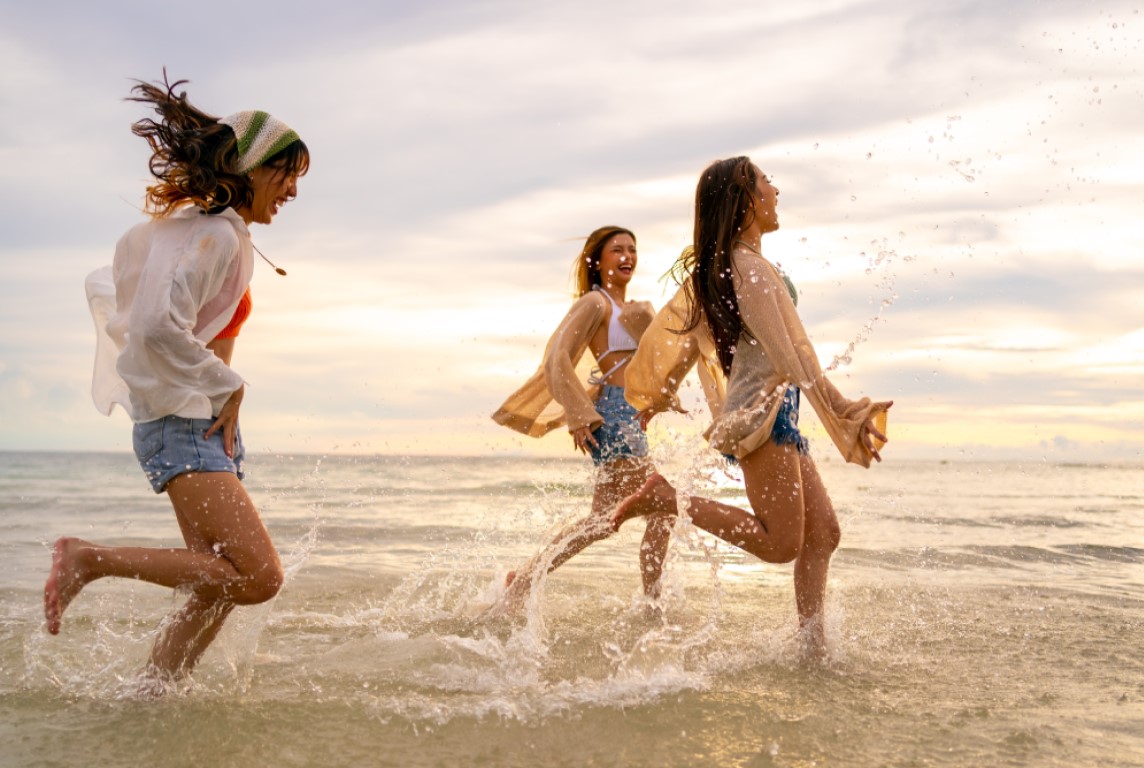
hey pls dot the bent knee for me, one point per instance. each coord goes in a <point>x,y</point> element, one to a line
<point>828,538</point>
<point>779,549</point>
<point>835,536</point>
<point>824,540</point>
<point>260,587</point>
<point>785,552</point>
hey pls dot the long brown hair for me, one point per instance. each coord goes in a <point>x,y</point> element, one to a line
<point>586,268</point>
<point>194,157</point>
<point>723,209</point>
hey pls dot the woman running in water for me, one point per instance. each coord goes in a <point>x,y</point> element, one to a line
<point>167,313</point>
<point>735,313</point>
<point>602,424</point>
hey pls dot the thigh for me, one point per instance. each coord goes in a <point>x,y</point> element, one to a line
<point>821,526</point>
<point>216,514</point>
<point>617,480</point>
<point>773,478</point>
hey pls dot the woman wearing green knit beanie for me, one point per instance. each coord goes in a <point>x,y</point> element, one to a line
<point>167,313</point>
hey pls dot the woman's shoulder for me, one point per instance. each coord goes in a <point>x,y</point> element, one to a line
<point>754,267</point>
<point>745,257</point>
<point>591,303</point>
<point>218,232</point>
<point>594,297</point>
<point>638,309</point>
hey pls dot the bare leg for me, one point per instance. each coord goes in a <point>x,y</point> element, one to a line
<point>184,637</point>
<point>653,552</point>
<point>772,531</point>
<point>229,560</point>
<point>216,515</point>
<point>615,481</point>
<point>793,519</point>
<point>76,563</point>
<point>820,540</point>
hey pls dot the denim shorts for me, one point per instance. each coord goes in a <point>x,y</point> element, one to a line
<point>174,445</point>
<point>785,430</point>
<point>620,436</point>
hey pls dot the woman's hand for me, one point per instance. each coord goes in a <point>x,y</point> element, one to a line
<point>872,436</point>
<point>583,438</point>
<point>228,421</point>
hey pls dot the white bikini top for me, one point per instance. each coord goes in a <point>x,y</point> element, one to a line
<point>619,340</point>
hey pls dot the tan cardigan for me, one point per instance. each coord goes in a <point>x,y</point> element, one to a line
<point>775,354</point>
<point>559,392</point>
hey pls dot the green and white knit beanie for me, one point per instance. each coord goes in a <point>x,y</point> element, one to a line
<point>260,137</point>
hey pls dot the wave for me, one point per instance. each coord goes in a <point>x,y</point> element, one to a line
<point>991,556</point>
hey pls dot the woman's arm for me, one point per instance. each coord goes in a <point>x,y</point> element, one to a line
<point>665,356</point>
<point>564,350</point>
<point>770,316</point>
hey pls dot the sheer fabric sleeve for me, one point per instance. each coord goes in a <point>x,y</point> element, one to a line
<point>561,356</point>
<point>770,317</point>
<point>666,355</point>
<point>558,393</point>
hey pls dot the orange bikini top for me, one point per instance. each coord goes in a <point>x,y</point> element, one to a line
<point>241,313</point>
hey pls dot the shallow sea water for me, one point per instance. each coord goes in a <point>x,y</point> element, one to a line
<point>978,614</point>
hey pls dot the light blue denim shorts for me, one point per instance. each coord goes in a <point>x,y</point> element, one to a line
<point>174,445</point>
<point>620,436</point>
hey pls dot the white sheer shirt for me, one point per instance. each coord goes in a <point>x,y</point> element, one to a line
<point>174,284</point>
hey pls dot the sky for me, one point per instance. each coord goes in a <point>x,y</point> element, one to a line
<point>960,184</point>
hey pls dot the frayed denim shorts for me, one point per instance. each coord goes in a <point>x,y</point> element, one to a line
<point>785,430</point>
<point>174,445</point>
<point>620,436</point>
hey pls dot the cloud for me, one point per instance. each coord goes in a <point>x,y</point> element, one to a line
<point>959,199</point>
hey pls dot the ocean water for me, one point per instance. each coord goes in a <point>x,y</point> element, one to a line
<point>978,614</point>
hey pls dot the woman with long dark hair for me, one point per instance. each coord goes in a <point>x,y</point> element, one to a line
<point>167,313</point>
<point>604,323</point>
<point>735,313</point>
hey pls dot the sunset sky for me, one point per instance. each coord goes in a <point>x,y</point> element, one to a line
<point>961,187</point>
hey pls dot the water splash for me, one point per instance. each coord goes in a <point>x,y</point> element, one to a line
<point>878,263</point>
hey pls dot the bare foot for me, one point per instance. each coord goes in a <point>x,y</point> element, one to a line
<point>65,581</point>
<point>511,602</point>
<point>812,641</point>
<point>516,591</point>
<point>153,684</point>
<point>655,497</point>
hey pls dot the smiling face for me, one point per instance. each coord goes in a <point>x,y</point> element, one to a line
<point>273,187</point>
<point>618,260</point>
<point>765,202</point>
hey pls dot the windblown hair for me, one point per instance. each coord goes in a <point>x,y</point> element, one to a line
<point>586,268</point>
<point>723,209</point>
<point>194,157</point>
